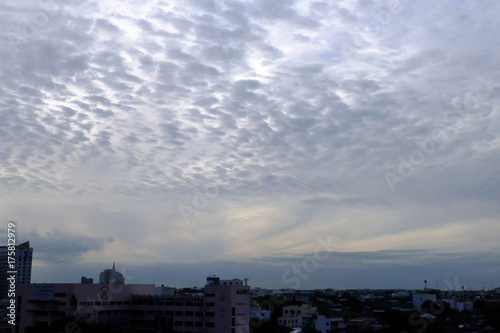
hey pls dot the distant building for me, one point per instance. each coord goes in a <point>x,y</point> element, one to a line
<point>420,297</point>
<point>293,315</point>
<point>329,325</point>
<point>87,280</point>
<point>164,291</point>
<point>459,305</point>
<point>23,260</point>
<point>111,276</point>
<point>258,313</point>
<point>259,292</point>
<point>401,294</point>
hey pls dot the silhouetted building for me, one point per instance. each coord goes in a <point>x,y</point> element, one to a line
<point>111,276</point>
<point>87,280</point>
<point>23,257</point>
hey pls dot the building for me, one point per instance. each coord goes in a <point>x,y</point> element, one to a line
<point>86,280</point>
<point>459,305</point>
<point>293,315</point>
<point>23,256</point>
<point>420,297</point>
<point>329,325</point>
<point>223,307</point>
<point>111,276</point>
<point>41,304</point>
<point>259,313</point>
<point>164,291</point>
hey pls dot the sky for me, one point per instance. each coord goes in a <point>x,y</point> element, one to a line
<point>300,144</point>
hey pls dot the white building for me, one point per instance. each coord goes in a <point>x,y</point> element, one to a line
<point>164,291</point>
<point>419,298</point>
<point>458,305</point>
<point>327,325</point>
<point>293,315</point>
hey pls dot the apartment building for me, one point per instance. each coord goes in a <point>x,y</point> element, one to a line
<point>222,308</point>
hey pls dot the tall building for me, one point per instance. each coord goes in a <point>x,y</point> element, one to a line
<point>23,259</point>
<point>111,276</point>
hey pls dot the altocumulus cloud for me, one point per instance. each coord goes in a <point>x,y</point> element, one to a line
<point>294,110</point>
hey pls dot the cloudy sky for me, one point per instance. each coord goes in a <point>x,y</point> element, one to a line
<point>342,144</point>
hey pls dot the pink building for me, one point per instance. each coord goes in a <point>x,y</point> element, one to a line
<point>42,304</point>
<point>222,307</point>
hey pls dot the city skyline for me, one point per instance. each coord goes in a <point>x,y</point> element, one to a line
<point>240,138</point>
<point>339,271</point>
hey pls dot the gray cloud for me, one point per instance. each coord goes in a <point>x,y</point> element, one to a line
<point>280,104</point>
<point>61,248</point>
